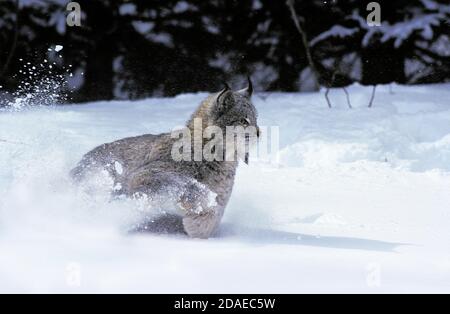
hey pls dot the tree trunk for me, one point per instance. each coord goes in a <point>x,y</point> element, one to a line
<point>99,72</point>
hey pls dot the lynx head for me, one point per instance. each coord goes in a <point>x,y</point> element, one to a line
<point>235,109</point>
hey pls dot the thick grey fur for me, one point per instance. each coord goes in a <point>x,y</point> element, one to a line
<point>148,167</point>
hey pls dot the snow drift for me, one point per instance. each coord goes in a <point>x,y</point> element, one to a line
<point>359,200</point>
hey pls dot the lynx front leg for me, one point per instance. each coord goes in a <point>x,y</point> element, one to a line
<point>199,208</point>
<point>200,211</point>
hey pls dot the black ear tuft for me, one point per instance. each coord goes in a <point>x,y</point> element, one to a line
<point>250,86</point>
<point>223,91</point>
<point>224,99</point>
<point>248,91</point>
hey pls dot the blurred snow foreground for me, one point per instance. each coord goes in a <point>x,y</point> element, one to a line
<point>358,201</point>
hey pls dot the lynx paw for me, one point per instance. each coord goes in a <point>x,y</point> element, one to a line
<point>201,226</point>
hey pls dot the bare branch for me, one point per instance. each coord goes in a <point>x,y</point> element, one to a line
<point>327,91</point>
<point>303,35</point>
<point>348,97</point>
<point>373,96</point>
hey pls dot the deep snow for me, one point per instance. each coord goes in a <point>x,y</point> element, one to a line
<point>359,202</point>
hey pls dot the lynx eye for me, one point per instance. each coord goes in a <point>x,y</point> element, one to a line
<point>245,121</point>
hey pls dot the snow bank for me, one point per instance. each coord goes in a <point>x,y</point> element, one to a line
<point>358,202</point>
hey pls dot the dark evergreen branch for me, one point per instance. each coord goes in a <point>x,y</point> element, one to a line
<point>15,39</point>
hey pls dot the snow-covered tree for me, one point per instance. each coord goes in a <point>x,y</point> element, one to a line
<point>411,43</point>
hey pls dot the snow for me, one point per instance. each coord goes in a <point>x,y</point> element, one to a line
<point>403,30</point>
<point>127,8</point>
<point>359,201</point>
<point>183,6</point>
<point>422,23</point>
<point>335,31</point>
<point>432,5</point>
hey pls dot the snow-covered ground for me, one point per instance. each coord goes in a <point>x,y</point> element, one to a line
<point>359,202</point>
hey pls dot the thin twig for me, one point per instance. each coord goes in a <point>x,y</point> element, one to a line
<point>290,4</point>
<point>348,97</point>
<point>373,96</point>
<point>328,87</point>
<point>327,91</point>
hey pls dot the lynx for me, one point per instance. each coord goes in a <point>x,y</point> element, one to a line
<point>143,165</point>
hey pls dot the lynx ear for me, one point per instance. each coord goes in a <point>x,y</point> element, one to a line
<point>225,97</point>
<point>223,91</point>
<point>248,91</point>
